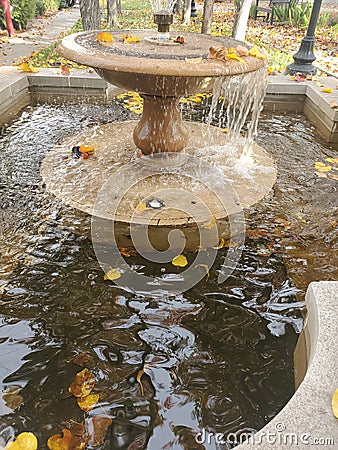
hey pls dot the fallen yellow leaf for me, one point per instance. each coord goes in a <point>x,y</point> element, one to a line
<point>87,403</point>
<point>235,57</point>
<point>104,36</point>
<point>85,149</point>
<point>141,207</point>
<point>138,379</point>
<point>112,274</point>
<point>132,40</point>
<point>25,441</point>
<point>222,244</point>
<point>254,51</point>
<point>335,403</point>
<point>26,67</point>
<point>59,442</point>
<point>211,224</point>
<point>327,90</point>
<point>324,169</point>
<point>330,160</point>
<point>83,383</point>
<point>179,261</point>
<point>319,164</point>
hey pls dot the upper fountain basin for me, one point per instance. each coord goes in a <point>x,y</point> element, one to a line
<point>154,67</point>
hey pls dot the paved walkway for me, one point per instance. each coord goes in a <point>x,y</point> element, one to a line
<point>40,33</point>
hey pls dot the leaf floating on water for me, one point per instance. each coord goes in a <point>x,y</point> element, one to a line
<point>254,51</point>
<point>25,441</point>
<point>61,442</point>
<point>27,67</point>
<point>112,274</point>
<point>126,252</point>
<point>96,430</point>
<point>179,261</point>
<point>335,403</point>
<point>211,224</point>
<point>222,243</point>
<point>194,60</point>
<point>138,379</point>
<point>83,383</point>
<point>87,403</point>
<point>12,398</point>
<point>104,36</point>
<point>82,358</point>
<point>326,90</point>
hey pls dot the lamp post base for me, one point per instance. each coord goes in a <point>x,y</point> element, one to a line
<point>304,58</point>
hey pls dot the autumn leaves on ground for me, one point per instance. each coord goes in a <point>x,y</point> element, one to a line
<point>279,41</point>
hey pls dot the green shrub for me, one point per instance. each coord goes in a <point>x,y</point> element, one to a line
<point>294,14</point>
<point>332,20</point>
<point>40,8</point>
<point>23,11</point>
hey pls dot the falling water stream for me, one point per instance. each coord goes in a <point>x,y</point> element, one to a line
<point>219,357</point>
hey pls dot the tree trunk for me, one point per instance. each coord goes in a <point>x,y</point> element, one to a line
<point>112,12</point>
<point>90,14</point>
<point>207,16</point>
<point>241,19</point>
<point>6,6</point>
<point>186,12</point>
<point>119,7</point>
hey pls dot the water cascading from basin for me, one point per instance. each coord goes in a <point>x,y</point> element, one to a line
<point>162,72</point>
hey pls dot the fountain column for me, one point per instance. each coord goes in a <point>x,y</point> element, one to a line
<point>161,128</point>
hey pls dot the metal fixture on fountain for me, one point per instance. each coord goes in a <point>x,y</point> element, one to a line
<point>163,19</point>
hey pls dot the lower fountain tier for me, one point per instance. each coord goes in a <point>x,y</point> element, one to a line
<point>162,192</point>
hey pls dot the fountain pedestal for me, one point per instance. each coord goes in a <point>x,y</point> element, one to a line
<point>161,128</point>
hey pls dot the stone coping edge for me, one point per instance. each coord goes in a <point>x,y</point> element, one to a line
<point>307,419</point>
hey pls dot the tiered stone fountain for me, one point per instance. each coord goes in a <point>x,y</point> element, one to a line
<point>162,71</point>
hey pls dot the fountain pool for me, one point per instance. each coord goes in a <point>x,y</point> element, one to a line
<point>227,347</point>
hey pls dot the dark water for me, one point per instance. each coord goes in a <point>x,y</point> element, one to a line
<point>218,358</point>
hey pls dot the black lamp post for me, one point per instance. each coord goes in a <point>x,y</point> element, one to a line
<point>304,58</point>
<point>193,9</point>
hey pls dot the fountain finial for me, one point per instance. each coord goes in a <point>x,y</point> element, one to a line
<point>163,19</point>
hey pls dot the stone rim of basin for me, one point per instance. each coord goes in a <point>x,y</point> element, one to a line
<point>84,48</point>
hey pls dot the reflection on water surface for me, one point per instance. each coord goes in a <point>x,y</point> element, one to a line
<point>219,357</point>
